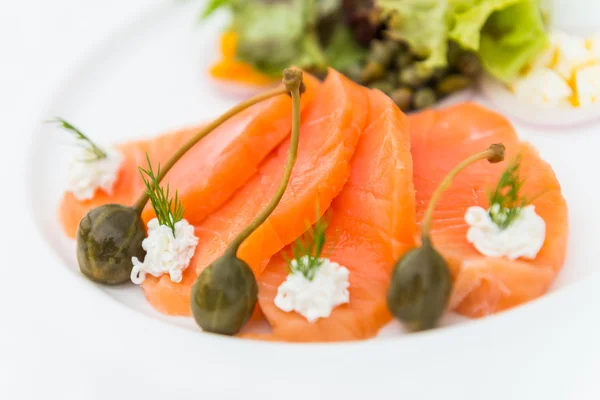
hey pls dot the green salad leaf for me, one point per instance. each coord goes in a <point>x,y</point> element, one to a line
<point>342,51</point>
<point>275,35</point>
<point>469,17</point>
<point>511,38</point>
<point>422,24</point>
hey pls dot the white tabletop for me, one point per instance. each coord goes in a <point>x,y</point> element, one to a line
<point>52,340</point>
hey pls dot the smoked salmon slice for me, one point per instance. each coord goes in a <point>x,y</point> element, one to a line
<point>329,133</point>
<point>372,225</point>
<point>209,173</point>
<point>484,285</point>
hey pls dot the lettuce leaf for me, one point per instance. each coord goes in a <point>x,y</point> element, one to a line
<point>511,38</point>
<point>275,35</point>
<point>469,17</point>
<point>506,34</point>
<point>343,51</point>
<point>422,24</point>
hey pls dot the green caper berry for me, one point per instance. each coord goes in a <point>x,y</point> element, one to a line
<point>468,64</point>
<point>453,83</point>
<point>420,287</point>
<point>424,98</point>
<point>403,98</point>
<point>107,239</point>
<point>224,296</point>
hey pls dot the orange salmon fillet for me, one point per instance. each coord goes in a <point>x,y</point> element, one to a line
<point>209,173</point>
<point>372,225</point>
<point>484,285</point>
<point>329,134</point>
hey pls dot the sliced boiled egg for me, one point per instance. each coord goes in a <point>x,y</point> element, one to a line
<point>543,87</point>
<point>587,85</point>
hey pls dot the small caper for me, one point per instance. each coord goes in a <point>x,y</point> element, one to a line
<point>383,52</point>
<point>354,72</point>
<point>468,64</point>
<point>403,98</point>
<point>440,73</point>
<point>392,78</point>
<point>414,76</point>
<point>372,71</point>
<point>224,296</point>
<point>404,60</point>
<point>385,86</point>
<point>424,98</point>
<point>420,287</point>
<point>107,238</point>
<point>453,83</point>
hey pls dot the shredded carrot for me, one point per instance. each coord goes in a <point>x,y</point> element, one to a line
<point>230,69</point>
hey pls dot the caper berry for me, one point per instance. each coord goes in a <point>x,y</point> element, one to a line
<point>420,287</point>
<point>107,238</point>
<point>224,296</point>
<point>403,98</point>
<point>424,98</point>
<point>453,83</point>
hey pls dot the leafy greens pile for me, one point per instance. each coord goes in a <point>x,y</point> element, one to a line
<point>274,34</point>
<point>312,34</point>
<point>506,34</point>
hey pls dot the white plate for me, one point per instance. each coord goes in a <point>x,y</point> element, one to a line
<point>152,78</point>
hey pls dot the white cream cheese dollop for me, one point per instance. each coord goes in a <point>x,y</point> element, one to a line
<point>524,237</point>
<point>86,174</point>
<point>317,298</point>
<point>165,253</point>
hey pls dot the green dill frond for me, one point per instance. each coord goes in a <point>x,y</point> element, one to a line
<point>308,249</point>
<point>168,210</point>
<point>84,141</point>
<point>506,201</point>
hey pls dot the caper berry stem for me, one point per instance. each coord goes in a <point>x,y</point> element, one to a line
<point>494,154</point>
<point>143,200</point>
<point>292,81</point>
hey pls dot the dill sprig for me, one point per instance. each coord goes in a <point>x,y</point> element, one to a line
<point>96,152</point>
<point>307,250</point>
<point>168,210</point>
<point>506,202</point>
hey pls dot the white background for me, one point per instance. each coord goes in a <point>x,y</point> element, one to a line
<point>54,342</point>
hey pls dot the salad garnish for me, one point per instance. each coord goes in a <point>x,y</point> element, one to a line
<point>96,153</point>
<point>225,293</point>
<point>168,210</point>
<point>307,250</point>
<point>421,281</point>
<point>98,257</point>
<point>506,202</point>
